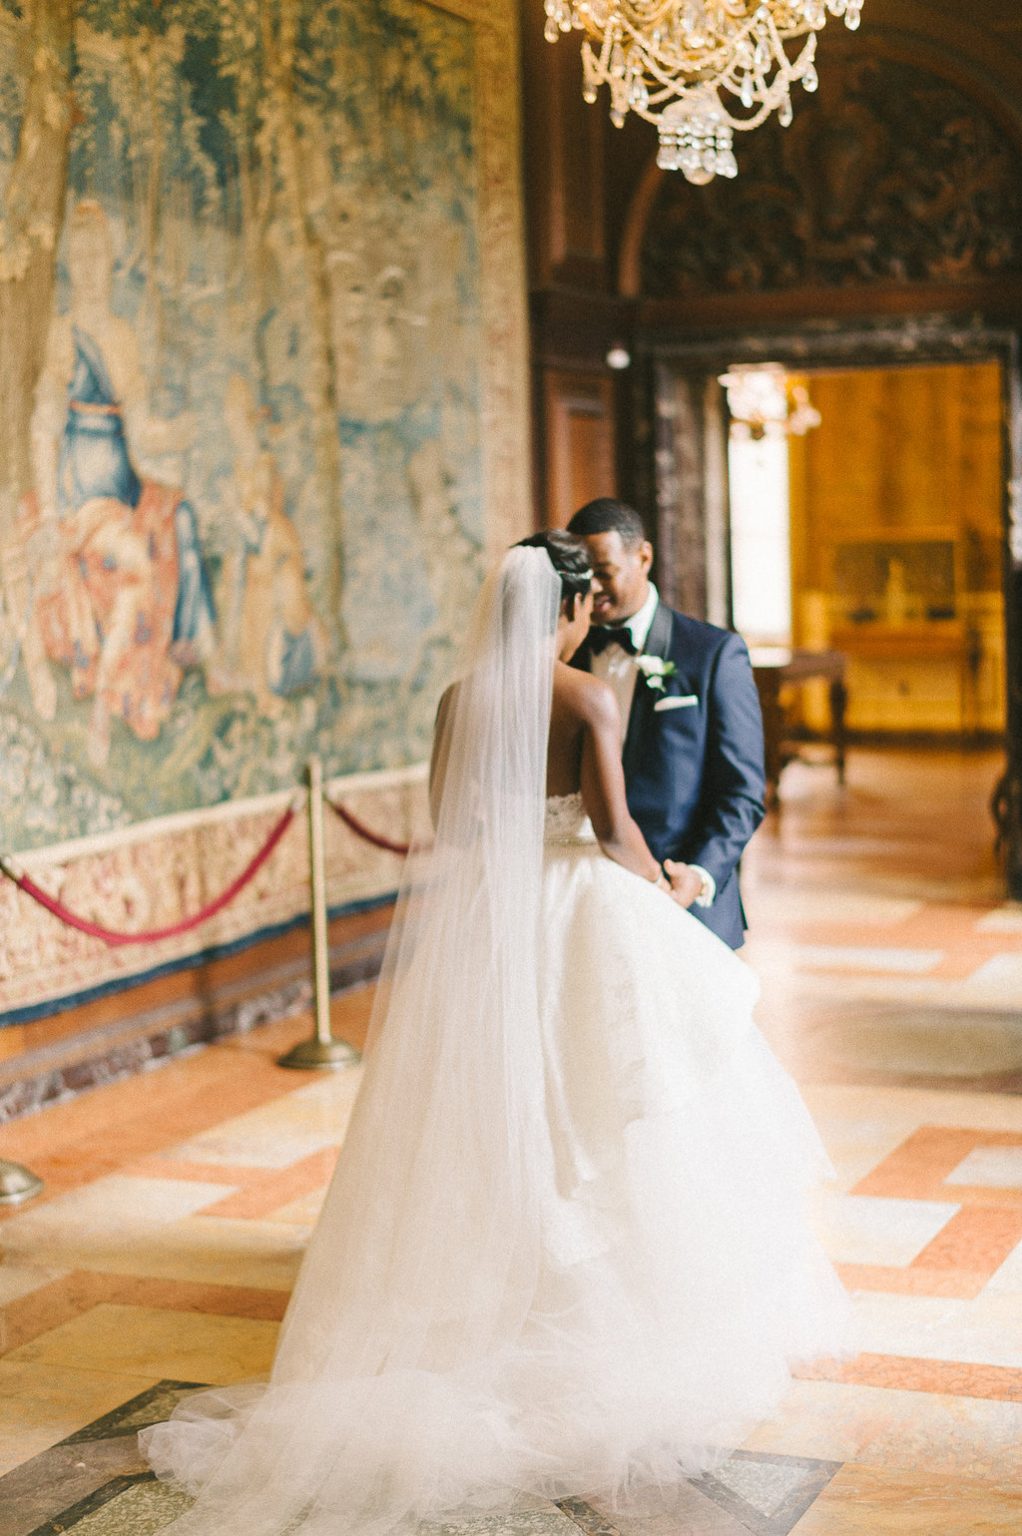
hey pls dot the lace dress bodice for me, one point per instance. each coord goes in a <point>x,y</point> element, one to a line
<point>566,822</point>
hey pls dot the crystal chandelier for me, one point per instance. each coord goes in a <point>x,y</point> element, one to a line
<point>763,401</point>
<point>699,69</point>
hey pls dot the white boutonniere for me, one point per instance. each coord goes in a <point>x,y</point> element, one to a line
<point>655,670</point>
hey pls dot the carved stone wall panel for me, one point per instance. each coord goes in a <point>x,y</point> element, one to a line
<point>152,877</point>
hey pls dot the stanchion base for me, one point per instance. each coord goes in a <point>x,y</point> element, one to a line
<point>326,1055</point>
<point>17,1183</point>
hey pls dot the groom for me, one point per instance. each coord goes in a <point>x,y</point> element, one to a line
<point>693,734</point>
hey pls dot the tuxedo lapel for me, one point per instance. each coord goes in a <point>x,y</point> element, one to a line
<point>658,643</point>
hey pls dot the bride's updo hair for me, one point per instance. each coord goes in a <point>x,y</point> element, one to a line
<point>569,558</point>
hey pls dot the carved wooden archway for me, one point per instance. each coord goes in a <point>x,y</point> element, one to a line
<point>896,188</point>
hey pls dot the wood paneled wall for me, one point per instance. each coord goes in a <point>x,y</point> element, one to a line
<point>579,413</point>
<point>912,453</point>
<point>900,448</point>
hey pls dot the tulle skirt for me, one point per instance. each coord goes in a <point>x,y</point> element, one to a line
<point>673,1277</point>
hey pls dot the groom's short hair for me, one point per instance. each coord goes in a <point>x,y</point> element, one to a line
<point>607,515</point>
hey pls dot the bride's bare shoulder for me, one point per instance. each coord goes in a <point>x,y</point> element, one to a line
<point>588,699</point>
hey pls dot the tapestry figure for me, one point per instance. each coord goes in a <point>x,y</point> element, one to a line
<point>124,600</point>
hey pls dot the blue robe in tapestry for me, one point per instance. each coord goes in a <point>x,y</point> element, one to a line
<point>95,461</point>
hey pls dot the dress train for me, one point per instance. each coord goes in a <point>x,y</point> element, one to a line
<point>660,1272</point>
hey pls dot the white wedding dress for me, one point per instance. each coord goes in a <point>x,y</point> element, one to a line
<point>567,1249</point>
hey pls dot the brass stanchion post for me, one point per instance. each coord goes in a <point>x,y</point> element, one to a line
<point>17,1183</point>
<point>322,1050</point>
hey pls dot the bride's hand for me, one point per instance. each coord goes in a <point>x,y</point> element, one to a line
<point>686,883</point>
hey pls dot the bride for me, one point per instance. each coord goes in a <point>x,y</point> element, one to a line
<point>566,1249</point>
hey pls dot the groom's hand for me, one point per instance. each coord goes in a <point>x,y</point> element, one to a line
<point>686,882</point>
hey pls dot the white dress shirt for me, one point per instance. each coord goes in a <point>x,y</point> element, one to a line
<point>618,669</point>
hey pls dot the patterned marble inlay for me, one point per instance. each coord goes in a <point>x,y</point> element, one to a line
<point>176,1208</point>
<point>588,1519</point>
<point>95,1483</point>
<point>544,1521</point>
<point>880,1231</point>
<point>123,1507</point>
<point>910,962</point>
<point>150,1407</point>
<point>768,1494</point>
<point>1007,919</point>
<point>1001,973</point>
<point>995,1167</point>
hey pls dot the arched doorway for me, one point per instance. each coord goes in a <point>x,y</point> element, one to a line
<point>882,230</point>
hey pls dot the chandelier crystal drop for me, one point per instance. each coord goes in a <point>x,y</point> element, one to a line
<point>698,69</point>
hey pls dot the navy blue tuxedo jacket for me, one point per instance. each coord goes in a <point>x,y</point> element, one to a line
<point>694,772</point>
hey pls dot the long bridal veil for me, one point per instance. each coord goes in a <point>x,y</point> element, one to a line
<point>397,1357</point>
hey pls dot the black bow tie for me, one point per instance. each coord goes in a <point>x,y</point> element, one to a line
<point>600,638</point>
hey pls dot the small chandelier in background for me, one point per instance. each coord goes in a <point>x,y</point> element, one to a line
<point>684,64</point>
<point>764,402</point>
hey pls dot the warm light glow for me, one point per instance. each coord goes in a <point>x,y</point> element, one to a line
<point>699,69</point>
<point>760,539</point>
<point>763,401</point>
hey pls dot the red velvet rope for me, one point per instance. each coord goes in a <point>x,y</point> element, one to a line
<point>95,930</point>
<point>361,830</point>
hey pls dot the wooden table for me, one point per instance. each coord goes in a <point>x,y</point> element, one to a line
<point>774,667</point>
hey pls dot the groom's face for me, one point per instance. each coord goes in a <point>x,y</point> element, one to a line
<point>620,576</point>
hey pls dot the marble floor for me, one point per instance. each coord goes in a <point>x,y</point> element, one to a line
<point>177,1203</point>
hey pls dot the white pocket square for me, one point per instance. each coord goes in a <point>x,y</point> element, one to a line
<point>677,701</point>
